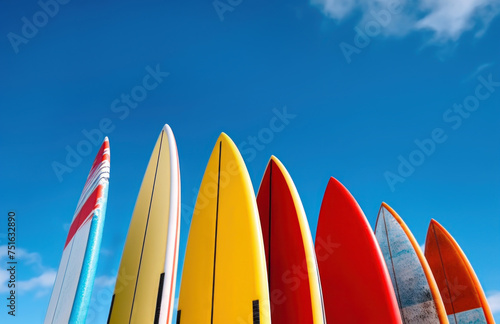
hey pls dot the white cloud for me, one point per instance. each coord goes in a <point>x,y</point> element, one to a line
<point>106,252</point>
<point>43,277</point>
<point>4,277</point>
<point>494,302</point>
<point>448,19</point>
<point>66,227</point>
<point>30,258</point>
<point>104,281</point>
<point>45,280</point>
<point>445,20</point>
<point>336,9</point>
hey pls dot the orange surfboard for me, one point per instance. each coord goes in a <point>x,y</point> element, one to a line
<point>460,289</point>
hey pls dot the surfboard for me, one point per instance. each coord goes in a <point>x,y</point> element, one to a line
<point>416,290</point>
<point>463,297</point>
<point>224,279</point>
<point>357,287</point>
<point>145,285</point>
<point>74,281</point>
<point>292,269</point>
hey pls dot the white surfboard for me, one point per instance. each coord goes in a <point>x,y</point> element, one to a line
<point>75,278</point>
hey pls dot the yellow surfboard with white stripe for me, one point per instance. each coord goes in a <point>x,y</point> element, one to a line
<point>145,286</point>
<point>224,278</point>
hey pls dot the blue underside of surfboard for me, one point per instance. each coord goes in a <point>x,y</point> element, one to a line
<point>87,276</point>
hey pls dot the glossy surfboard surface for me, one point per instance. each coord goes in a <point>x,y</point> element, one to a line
<point>224,277</point>
<point>357,287</point>
<point>72,290</point>
<point>289,247</point>
<point>463,297</point>
<point>145,285</point>
<point>416,290</point>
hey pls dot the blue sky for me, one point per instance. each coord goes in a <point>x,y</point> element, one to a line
<point>398,101</point>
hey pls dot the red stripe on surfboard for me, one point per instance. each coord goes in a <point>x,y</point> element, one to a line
<point>85,214</point>
<point>100,157</point>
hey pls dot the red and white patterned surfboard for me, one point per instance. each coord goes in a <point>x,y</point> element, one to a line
<point>75,278</point>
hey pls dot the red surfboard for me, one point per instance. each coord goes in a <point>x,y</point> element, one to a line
<point>356,284</point>
<point>460,289</point>
<point>294,286</point>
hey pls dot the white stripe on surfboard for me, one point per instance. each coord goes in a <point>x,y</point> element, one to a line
<point>92,183</point>
<point>171,258</point>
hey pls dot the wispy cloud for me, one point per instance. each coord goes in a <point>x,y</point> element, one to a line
<point>494,302</point>
<point>444,21</point>
<point>66,227</point>
<point>478,70</point>
<point>42,278</point>
<point>4,277</point>
<point>104,281</point>
<point>33,259</point>
<point>45,280</point>
<point>106,252</point>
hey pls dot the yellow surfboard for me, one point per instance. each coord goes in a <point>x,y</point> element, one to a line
<point>224,278</point>
<point>145,285</point>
